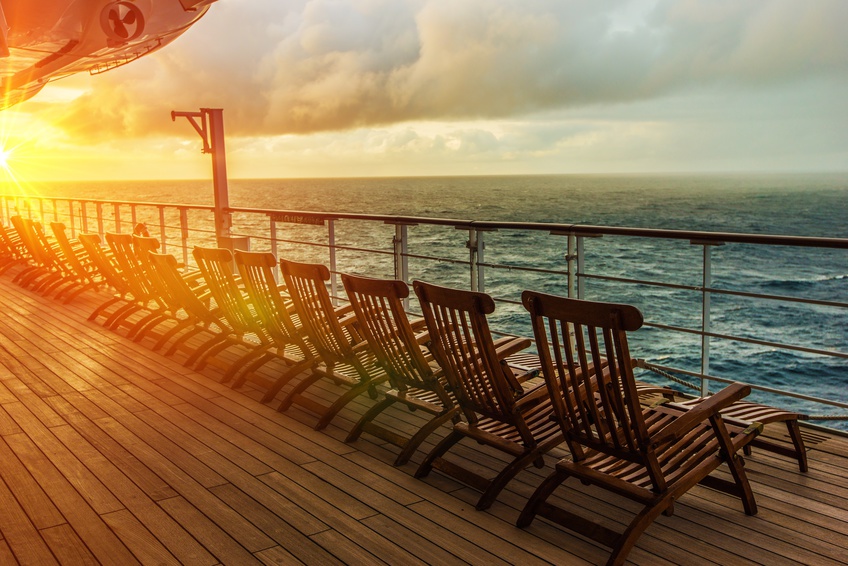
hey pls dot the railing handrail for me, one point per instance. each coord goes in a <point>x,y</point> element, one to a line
<point>552,227</point>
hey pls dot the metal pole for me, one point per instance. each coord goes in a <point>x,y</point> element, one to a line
<point>331,227</point>
<point>472,257</point>
<point>162,228</point>
<point>184,232</point>
<point>274,249</point>
<point>705,320</point>
<point>211,129</point>
<point>581,267</point>
<point>117,218</point>
<point>571,262</point>
<point>71,216</point>
<point>223,219</point>
<point>99,208</point>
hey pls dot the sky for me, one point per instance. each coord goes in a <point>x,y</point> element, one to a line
<point>350,88</point>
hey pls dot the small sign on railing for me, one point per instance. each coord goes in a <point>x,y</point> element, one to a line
<point>298,219</point>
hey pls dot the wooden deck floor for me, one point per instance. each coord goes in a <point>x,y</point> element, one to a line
<point>114,454</point>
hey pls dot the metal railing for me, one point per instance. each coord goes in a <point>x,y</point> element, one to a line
<point>502,258</point>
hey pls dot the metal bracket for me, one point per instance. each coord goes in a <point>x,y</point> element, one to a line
<point>201,128</point>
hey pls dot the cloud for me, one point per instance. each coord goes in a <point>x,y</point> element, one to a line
<point>330,65</point>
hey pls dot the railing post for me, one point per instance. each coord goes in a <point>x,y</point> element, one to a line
<point>71,216</point>
<point>184,233</point>
<point>84,216</point>
<point>55,210</point>
<point>581,267</point>
<point>472,257</point>
<point>133,217</point>
<point>331,234</point>
<point>117,217</point>
<point>400,244</point>
<point>41,210</point>
<point>28,206</point>
<point>706,282</point>
<point>274,244</point>
<point>162,229</point>
<point>100,231</point>
<point>571,262</point>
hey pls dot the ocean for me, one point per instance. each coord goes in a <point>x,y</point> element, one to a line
<point>796,205</point>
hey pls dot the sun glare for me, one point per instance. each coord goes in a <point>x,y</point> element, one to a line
<point>4,158</point>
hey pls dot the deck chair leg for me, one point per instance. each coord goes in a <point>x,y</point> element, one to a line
<point>173,332</point>
<point>240,373</point>
<point>260,352</point>
<point>545,489</point>
<point>119,316</point>
<point>437,452</point>
<point>103,307</point>
<point>499,482</point>
<point>145,320</point>
<point>634,530</point>
<point>369,415</point>
<point>202,355</point>
<point>419,437</point>
<point>340,402</point>
<point>298,390</point>
<point>285,378</point>
<point>798,441</point>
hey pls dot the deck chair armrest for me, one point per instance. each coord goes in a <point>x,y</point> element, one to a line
<point>343,311</point>
<point>532,396</point>
<point>701,412</point>
<point>508,345</point>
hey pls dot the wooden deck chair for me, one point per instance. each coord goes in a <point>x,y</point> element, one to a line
<point>110,275</point>
<point>12,250</point>
<point>61,276</point>
<point>216,266</point>
<point>195,302</point>
<point>650,455</point>
<point>417,381</point>
<point>78,262</point>
<point>346,358</point>
<point>277,318</point>
<point>40,272</point>
<point>499,410</point>
<point>138,287</point>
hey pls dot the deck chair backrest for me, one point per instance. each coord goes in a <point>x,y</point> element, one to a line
<point>68,252</point>
<point>306,284</point>
<point>111,275</point>
<point>257,277</point>
<point>215,265</point>
<point>10,243</point>
<point>596,403</point>
<point>124,255</point>
<point>179,290</point>
<point>383,321</point>
<point>23,227</point>
<point>462,344</point>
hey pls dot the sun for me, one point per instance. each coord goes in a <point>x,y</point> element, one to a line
<point>5,156</point>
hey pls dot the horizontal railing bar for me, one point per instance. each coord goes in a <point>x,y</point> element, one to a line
<point>523,268</point>
<point>758,342</point>
<point>762,388</point>
<point>577,229</point>
<point>552,228</point>
<point>715,290</point>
